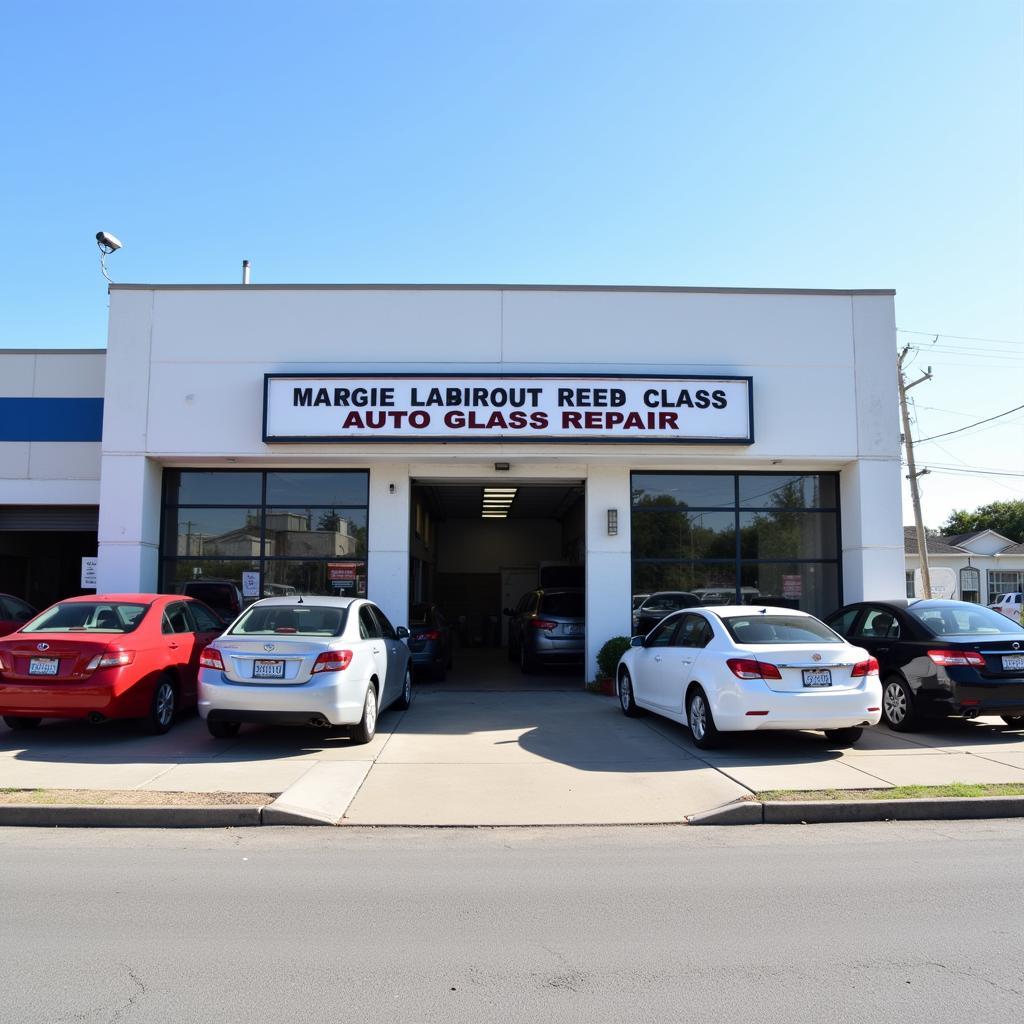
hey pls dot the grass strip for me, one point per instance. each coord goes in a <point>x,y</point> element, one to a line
<point>132,798</point>
<point>953,789</point>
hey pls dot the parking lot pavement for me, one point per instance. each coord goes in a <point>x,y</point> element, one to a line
<point>500,757</point>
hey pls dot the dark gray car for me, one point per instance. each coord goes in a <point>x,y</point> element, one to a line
<point>547,627</point>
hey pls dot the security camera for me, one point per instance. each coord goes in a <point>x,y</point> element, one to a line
<point>107,242</point>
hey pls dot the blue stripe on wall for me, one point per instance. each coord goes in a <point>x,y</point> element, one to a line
<point>51,419</point>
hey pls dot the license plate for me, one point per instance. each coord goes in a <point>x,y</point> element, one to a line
<point>43,666</point>
<point>574,630</point>
<point>817,677</point>
<point>263,669</point>
<point>1013,662</point>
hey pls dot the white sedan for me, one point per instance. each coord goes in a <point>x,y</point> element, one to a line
<point>319,661</point>
<point>747,668</point>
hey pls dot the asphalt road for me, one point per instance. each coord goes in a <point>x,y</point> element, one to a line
<point>877,922</point>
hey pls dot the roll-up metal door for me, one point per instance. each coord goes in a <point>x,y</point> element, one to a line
<point>55,518</point>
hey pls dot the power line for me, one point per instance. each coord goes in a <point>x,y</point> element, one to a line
<point>958,337</point>
<point>998,416</point>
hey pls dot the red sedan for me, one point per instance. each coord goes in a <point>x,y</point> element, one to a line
<point>108,656</point>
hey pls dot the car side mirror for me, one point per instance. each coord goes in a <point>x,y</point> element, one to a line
<point>636,641</point>
<point>403,632</point>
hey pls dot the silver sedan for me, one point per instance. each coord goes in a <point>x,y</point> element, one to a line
<point>322,661</point>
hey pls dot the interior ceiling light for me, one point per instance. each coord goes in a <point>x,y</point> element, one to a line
<point>497,501</point>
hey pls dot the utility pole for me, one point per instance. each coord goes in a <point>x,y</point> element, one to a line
<point>922,538</point>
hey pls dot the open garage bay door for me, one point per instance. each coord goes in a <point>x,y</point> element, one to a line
<point>41,550</point>
<point>477,549</point>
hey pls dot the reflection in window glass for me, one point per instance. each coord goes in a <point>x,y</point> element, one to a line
<point>316,533</point>
<point>772,490</point>
<point>211,487</point>
<point>810,586</point>
<point>779,534</point>
<point>212,532</point>
<point>675,533</point>
<point>313,488</point>
<point>696,490</point>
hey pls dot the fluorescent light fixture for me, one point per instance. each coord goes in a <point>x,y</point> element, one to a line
<point>497,501</point>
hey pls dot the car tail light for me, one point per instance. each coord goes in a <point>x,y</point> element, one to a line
<point>957,658</point>
<point>429,634</point>
<point>111,660</point>
<point>543,624</point>
<point>751,668</point>
<point>210,658</point>
<point>866,668</point>
<point>332,661</point>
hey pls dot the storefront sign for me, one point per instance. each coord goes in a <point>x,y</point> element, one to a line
<point>347,579</point>
<point>250,584</point>
<point>680,410</point>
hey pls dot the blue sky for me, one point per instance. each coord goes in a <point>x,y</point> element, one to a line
<point>790,144</point>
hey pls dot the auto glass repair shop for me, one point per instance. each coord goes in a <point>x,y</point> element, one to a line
<point>458,445</point>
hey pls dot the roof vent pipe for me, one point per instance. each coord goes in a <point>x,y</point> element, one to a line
<point>245,271</point>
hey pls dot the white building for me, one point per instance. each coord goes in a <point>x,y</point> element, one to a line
<point>343,438</point>
<point>976,566</point>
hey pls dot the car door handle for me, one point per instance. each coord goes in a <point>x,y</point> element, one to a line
<point>882,650</point>
<point>173,647</point>
<point>686,661</point>
<point>657,657</point>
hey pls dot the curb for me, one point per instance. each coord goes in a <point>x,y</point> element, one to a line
<point>823,812</point>
<point>84,816</point>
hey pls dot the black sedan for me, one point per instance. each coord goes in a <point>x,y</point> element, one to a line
<point>939,658</point>
<point>656,606</point>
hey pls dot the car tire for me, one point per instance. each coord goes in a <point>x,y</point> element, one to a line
<point>21,723</point>
<point>1013,721</point>
<point>221,729</point>
<point>844,737</point>
<point>702,726</point>
<point>162,707</point>
<point>367,727</point>
<point>405,697</point>
<point>527,662</point>
<point>898,710</point>
<point>627,701</point>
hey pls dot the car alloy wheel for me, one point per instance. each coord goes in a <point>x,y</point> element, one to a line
<point>627,700</point>
<point>405,697</point>
<point>898,706</point>
<point>162,708</point>
<point>698,717</point>
<point>703,730</point>
<point>894,703</point>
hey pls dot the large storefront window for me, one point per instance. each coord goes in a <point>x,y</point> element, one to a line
<point>744,538</point>
<point>301,532</point>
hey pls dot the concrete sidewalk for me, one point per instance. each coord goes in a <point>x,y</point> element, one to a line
<point>549,754</point>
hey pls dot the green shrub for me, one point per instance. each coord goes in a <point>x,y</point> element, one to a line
<point>608,656</point>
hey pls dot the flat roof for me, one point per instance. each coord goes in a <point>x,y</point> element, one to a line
<point>499,288</point>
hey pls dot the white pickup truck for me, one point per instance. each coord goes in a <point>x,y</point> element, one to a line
<point>1010,605</point>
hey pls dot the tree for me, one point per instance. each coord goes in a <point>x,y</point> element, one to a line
<point>1005,517</point>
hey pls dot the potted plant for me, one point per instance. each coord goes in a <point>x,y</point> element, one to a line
<point>607,661</point>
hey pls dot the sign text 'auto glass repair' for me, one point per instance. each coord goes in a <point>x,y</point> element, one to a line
<point>685,410</point>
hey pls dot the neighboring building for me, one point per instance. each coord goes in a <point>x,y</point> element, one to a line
<point>442,443</point>
<point>977,566</point>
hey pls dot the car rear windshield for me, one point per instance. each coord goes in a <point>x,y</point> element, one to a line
<point>959,621</point>
<point>779,629</point>
<point>88,617</point>
<point>298,620</point>
<point>568,605</point>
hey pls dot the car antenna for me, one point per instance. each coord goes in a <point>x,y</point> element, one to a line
<point>299,600</point>
<point>764,611</point>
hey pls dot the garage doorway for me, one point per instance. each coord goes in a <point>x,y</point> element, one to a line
<point>476,549</point>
